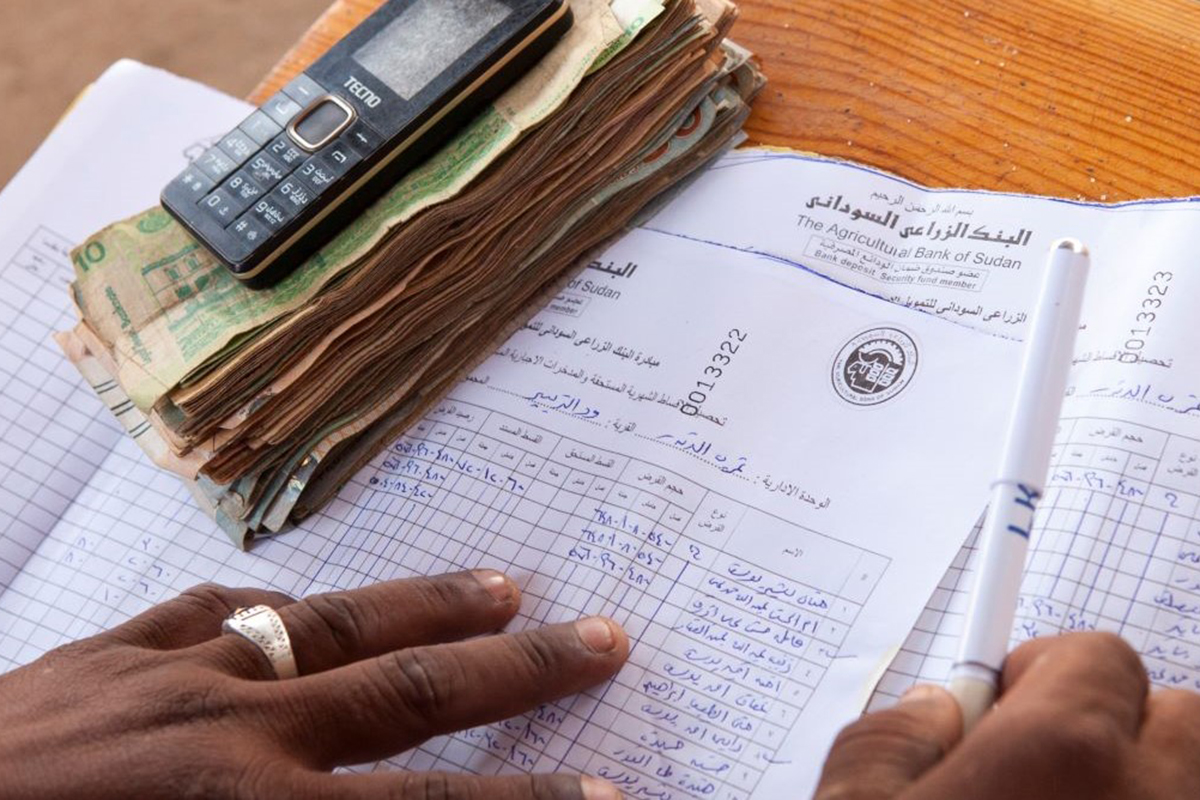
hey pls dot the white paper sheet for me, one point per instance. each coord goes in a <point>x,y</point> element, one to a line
<point>1117,541</point>
<point>768,553</point>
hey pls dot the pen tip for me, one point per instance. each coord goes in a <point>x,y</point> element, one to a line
<point>1074,245</point>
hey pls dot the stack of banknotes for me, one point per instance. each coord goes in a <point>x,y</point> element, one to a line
<point>267,401</point>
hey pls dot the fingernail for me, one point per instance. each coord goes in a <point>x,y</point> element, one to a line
<point>920,693</point>
<point>596,789</point>
<point>597,634</point>
<point>497,584</point>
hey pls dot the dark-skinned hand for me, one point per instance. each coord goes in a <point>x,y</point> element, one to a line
<point>1075,719</point>
<point>164,706</point>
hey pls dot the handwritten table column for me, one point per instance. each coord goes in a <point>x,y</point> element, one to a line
<point>1168,600</point>
<point>1094,513</point>
<point>730,660</point>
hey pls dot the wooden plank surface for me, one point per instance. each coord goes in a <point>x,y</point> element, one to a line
<point>1090,99</point>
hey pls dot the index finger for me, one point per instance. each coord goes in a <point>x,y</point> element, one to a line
<point>1083,672</point>
<point>1066,724</point>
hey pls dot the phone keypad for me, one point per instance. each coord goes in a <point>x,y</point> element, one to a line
<point>286,152</point>
<point>340,158</point>
<point>238,146</point>
<point>243,187</point>
<point>293,196</point>
<point>265,170</point>
<point>271,213</point>
<point>259,127</point>
<point>361,138</point>
<point>281,109</point>
<point>222,206</point>
<point>215,163</point>
<point>248,233</point>
<point>195,182</point>
<point>304,90</point>
<point>258,181</point>
<point>315,175</point>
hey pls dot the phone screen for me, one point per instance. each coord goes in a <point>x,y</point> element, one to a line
<point>425,39</point>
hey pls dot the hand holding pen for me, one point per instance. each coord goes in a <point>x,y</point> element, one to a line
<point>1021,482</point>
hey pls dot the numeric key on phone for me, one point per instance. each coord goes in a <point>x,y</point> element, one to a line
<point>265,170</point>
<point>316,175</point>
<point>215,164</point>
<point>242,187</point>
<point>293,195</point>
<point>283,150</point>
<point>222,206</point>
<point>271,213</point>
<point>238,146</point>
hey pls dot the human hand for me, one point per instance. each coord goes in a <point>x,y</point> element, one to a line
<point>165,707</point>
<point>1074,720</point>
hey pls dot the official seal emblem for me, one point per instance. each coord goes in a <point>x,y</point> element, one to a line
<point>874,366</point>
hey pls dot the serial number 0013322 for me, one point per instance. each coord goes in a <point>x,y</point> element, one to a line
<point>714,369</point>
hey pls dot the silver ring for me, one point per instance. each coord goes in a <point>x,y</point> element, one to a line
<point>264,628</point>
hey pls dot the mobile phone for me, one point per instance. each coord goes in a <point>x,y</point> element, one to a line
<point>311,158</point>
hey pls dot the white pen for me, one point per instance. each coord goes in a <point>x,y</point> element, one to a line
<point>1023,469</point>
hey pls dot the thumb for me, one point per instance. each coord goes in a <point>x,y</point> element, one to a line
<point>878,756</point>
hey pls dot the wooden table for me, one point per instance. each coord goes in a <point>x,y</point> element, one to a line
<point>1086,99</point>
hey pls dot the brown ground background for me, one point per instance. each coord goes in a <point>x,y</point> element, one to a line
<point>51,49</point>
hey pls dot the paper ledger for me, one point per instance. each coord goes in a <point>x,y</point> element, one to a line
<point>1117,547</point>
<point>765,550</point>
